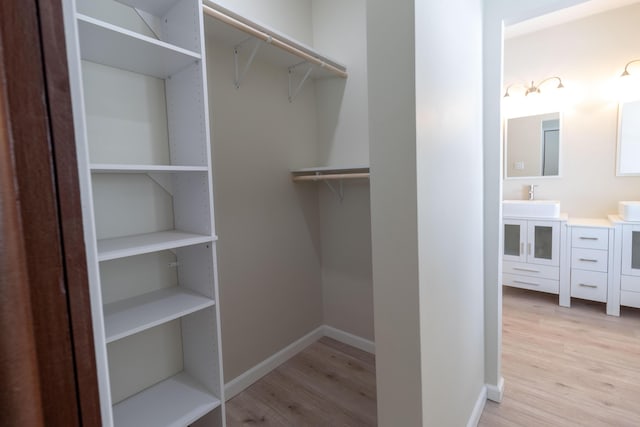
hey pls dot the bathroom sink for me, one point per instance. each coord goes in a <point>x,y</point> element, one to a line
<point>531,208</point>
<point>629,211</point>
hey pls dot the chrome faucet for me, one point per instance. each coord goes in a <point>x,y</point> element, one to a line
<point>532,192</point>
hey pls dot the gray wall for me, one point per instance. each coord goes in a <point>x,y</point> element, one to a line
<point>268,227</point>
<point>291,250</point>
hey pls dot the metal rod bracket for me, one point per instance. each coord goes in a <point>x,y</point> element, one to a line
<point>338,192</point>
<point>239,75</point>
<point>293,92</point>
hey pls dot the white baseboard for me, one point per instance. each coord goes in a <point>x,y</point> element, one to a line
<point>495,392</point>
<point>474,419</point>
<point>252,375</point>
<point>350,339</point>
<point>244,380</point>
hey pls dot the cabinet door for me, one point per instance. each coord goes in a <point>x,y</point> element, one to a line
<point>631,250</point>
<point>543,242</point>
<point>515,232</point>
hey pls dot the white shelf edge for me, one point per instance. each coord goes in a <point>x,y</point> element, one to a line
<point>122,247</point>
<point>133,315</point>
<point>328,173</point>
<point>331,169</point>
<point>131,168</point>
<point>172,58</point>
<point>175,402</point>
<point>332,176</point>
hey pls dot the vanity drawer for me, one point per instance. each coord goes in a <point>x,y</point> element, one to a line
<point>533,283</point>
<point>630,283</point>
<point>630,299</point>
<point>532,270</point>
<point>589,237</point>
<point>589,259</point>
<point>591,285</point>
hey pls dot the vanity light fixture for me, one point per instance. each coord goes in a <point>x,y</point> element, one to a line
<point>533,88</point>
<point>626,68</point>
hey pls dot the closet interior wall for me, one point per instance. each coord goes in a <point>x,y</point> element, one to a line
<point>291,257</point>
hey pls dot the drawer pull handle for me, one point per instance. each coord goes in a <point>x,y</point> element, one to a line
<point>587,260</point>
<point>521,282</point>
<point>529,249</point>
<point>588,238</point>
<point>530,270</point>
<point>585,285</point>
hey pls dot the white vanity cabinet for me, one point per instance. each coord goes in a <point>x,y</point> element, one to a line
<point>591,256</point>
<point>531,255</point>
<point>626,269</point>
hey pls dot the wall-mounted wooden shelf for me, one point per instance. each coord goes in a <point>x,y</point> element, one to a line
<point>330,173</point>
<point>235,31</point>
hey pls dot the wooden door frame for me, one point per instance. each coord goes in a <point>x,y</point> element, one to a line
<point>46,340</point>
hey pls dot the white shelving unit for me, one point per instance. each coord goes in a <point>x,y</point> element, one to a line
<point>148,216</point>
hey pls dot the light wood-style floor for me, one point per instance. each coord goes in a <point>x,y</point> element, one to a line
<point>562,367</point>
<point>566,366</point>
<point>327,384</point>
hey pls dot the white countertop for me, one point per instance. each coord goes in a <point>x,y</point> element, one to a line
<point>590,222</point>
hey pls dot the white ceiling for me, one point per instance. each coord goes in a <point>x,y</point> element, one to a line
<point>565,15</point>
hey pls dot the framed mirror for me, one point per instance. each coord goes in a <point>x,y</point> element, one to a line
<point>628,139</point>
<point>532,146</point>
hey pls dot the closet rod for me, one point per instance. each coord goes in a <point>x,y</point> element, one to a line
<point>223,17</point>
<point>331,176</point>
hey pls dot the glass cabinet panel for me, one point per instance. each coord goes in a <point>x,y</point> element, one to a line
<point>635,250</point>
<point>512,239</point>
<point>543,246</point>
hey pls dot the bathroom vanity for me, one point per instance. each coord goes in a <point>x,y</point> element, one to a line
<point>585,258</point>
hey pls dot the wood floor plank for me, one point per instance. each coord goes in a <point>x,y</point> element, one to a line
<point>563,367</point>
<point>566,366</point>
<point>327,384</point>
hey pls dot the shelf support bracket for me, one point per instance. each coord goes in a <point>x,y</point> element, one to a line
<point>153,22</point>
<point>163,180</point>
<point>239,75</point>
<point>293,92</point>
<point>339,192</point>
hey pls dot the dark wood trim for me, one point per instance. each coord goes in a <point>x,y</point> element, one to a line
<point>66,172</point>
<point>20,403</point>
<point>50,224</point>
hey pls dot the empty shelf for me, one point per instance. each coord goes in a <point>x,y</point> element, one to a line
<point>109,45</point>
<point>133,315</point>
<point>175,402</point>
<point>125,168</point>
<point>121,247</point>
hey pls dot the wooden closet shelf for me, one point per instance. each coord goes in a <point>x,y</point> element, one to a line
<point>122,247</point>
<point>175,402</point>
<point>133,315</point>
<point>107,44</point>
<point>330,173</point>
<point>233,29</point>
<point>127,168</point>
